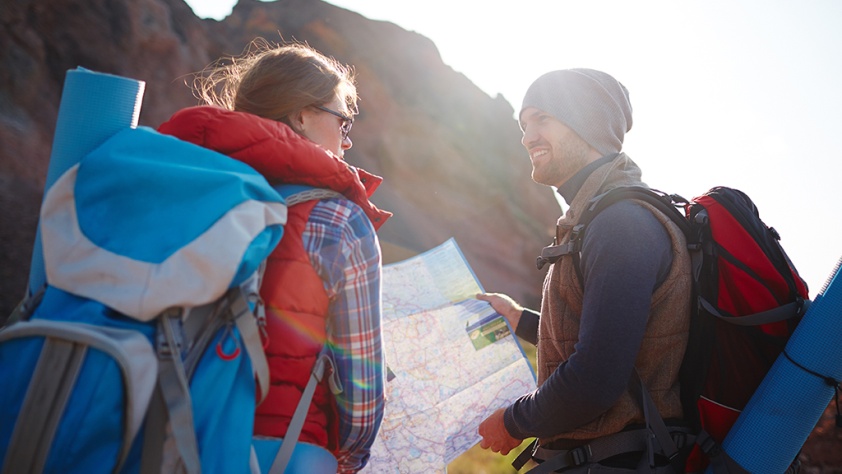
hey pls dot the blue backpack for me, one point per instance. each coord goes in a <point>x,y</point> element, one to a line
<point>141,353</point>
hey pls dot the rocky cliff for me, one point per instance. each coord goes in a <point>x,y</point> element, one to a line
<point>450,154</point>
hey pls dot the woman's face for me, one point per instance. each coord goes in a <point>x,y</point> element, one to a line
<point>327,125</point>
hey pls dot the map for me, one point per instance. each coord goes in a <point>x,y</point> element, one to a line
<point>451,361</point>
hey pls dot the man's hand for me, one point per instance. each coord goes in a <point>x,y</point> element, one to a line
<point>495,436</point>
<point>504,305</point>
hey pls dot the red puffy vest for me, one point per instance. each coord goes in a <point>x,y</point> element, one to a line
<point>294,295</point>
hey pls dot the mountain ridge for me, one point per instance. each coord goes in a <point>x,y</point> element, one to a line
<point>450,155</point>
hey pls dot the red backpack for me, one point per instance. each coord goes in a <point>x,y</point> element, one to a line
<point>748,299</point>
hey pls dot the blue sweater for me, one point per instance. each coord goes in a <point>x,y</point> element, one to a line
<point>625,256</point>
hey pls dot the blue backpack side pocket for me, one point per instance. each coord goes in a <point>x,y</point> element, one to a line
<point>76,372</point>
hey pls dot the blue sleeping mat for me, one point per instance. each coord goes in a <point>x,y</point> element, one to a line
<point>801,383</point>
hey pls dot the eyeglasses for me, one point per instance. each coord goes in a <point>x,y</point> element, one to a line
<point>347,122</point>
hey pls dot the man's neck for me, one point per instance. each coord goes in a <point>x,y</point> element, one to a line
<point>571,187</point>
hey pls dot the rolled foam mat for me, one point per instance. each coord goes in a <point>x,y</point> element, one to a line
<point>786,407</point>
<point>94,106</point>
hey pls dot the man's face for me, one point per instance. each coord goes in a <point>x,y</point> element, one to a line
<point>556,151</point>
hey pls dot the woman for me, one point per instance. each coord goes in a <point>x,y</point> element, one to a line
<point>286,111</point>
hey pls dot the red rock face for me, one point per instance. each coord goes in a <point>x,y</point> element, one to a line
<point>450,154</point>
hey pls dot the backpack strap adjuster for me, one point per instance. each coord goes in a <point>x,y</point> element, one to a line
<point>680,439</point>
<point>170,338</point>
<point>707,444</point>
<point>580,455</point>
<point>552,253</point>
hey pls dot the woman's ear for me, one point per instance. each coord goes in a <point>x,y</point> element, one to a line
<point>296,121</point>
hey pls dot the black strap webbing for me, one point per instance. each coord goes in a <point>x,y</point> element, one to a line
<point>597,450</point>
<point>525,455</point>
<point>781,313</point>
<point>656,424</point>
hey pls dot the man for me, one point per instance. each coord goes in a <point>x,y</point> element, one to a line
<point>625,306</point>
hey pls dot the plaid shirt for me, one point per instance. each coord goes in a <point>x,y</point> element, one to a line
<point>343,248</point>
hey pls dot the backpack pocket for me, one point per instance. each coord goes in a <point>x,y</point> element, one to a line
<point>84,394</point>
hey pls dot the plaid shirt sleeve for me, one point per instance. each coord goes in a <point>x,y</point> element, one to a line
<point>343,246</point>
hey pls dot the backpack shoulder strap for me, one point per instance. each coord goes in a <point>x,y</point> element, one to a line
<point>663,202</point>
<point>284,455</point>
<point>655,423</point>
<point>666,203</point>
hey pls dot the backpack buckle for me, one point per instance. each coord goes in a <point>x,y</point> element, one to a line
<point>552,253</point>
<point>169,339</point>
<point>680,440</point>
<point>580,455</point>
<point>708,445</point>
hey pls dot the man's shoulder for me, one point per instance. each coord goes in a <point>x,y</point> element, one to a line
<point>627,224</point>
<point>625,215</point>
<point>628,235</point>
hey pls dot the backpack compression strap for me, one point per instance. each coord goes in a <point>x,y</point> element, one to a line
<point>247,325</point>
<point>171,404</point>
<point>780,313</point>
<point>23,311</point>
<point>173,395</point>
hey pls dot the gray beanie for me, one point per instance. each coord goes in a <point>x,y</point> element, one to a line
<point>592,103</point>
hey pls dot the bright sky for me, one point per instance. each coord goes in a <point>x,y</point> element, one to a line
<point>740,93</point>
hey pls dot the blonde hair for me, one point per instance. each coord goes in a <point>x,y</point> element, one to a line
<point>276,80</point>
